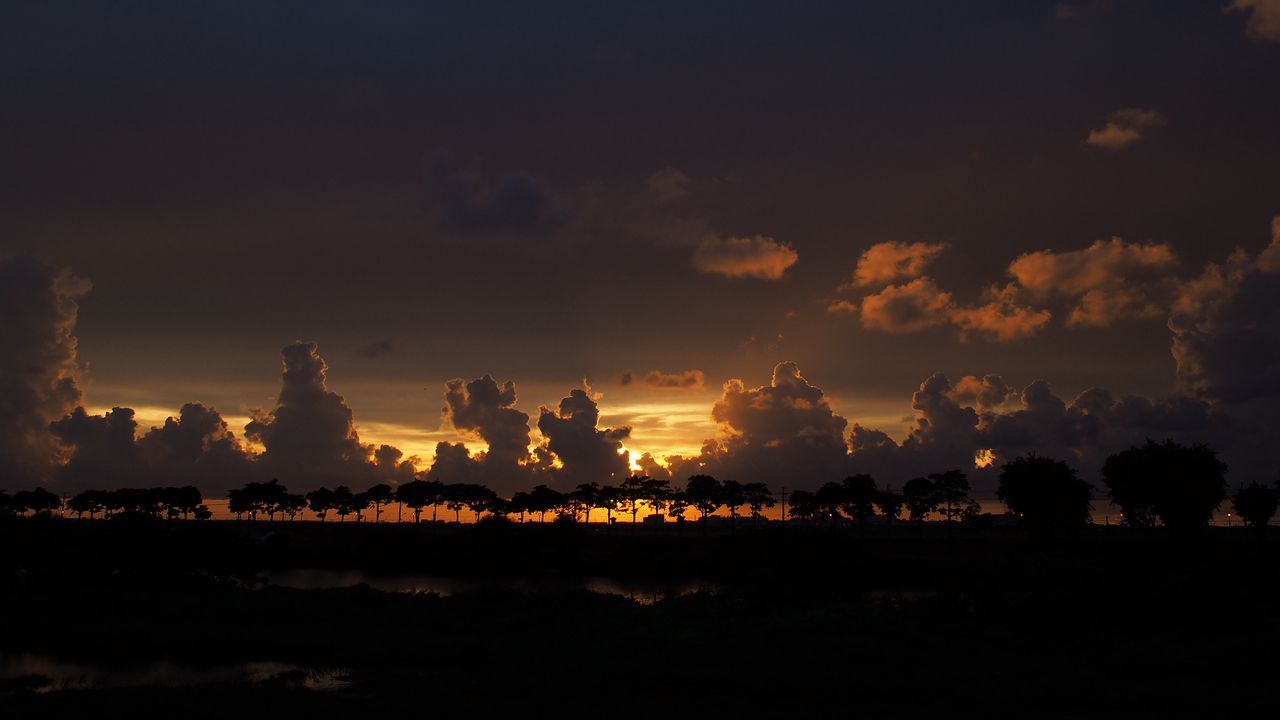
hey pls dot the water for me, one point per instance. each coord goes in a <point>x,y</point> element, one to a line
<point>645,593</point>
<point>48,674</point>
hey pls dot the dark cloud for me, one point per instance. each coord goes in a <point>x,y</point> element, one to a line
<point>39,371</point>
<point>1264,17</point>
<point>377,349</point>
<point>687,380</point>
<point>470,204</point>
<point>196,448</point>
<point>310,437</point>
<point>586,453</point>
<point>484,409</point>
<point>103,452</point>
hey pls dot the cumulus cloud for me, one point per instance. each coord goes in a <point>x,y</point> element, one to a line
<point>1000,318</point>
<point>196,448</point>
<point>889,261</point>
<point>39,371</point>
<point>985,393</point>
<point>745,257</point>
<point>1107,281</point>
<point>586,453</point>
<point>1264,17</point>
<point>103,452</point>
<point>311,434</point>
<point>1125,127</point>
<point>482,408</point>
<point>912,307</point>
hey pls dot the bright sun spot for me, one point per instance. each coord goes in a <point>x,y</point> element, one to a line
<point>984,458</point>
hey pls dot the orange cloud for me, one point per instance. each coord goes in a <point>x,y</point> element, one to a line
<point>745,257</point>
<point>687,380</point>
<point>1126,127</point>
<point>888,261</point>
<point>1001,318</point>
<point>914,306</point>
<point>1264,17</point>
<point>1109,280</point>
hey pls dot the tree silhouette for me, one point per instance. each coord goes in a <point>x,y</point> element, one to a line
<point>181,500</point>
<point>576,501</point>
<point>921,498</point>
<point>804,505</point>
<point>1180,485</point>
<point>89,501</point>
<point>292,504</point>
<point>656,492</point>
<point>379,495</point>
<point>829,498</point>
<point>543,500</point>
<point>1256,504</point>
<point>589,495</point>
<point>758,498</point>
<point>677,504</point>
<point>37,502</point>
<point>703,493</point>
<point>631,492</point>
<point>860,495</point>
<point>890,504</point>
<point>344,502</point>
<point>733,495</point>
<point>320,501</point>
<point>952,490</point>
<point>519,504</point>
<point>1045,494</point>
<point>415,495</point>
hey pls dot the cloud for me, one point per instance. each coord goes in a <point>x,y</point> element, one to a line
<point>669,185</point>
<point>687,380</point>
<point>377,349</point>
<point>985,393</point>
<point>744,257</point>
<point>1126,127</point>
<point>1001,318</point>
<point>1264,17</point>
<point>310,437</point>
<point>586,452</point>
<point>482,408</point>
<point>912,307</point>
<point>782,432</point>
<point>196,448</point>
<point>889,261</point>
<point>1108,281</point>
<point>39,370</point>
<point>469,204</point>
<point>103,453</point>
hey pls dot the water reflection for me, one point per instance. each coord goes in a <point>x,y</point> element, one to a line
<point>45,674</point>
<point>645,593</point>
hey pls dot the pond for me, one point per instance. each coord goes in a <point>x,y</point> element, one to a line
<point>643,592</point>
<point>44,674</point>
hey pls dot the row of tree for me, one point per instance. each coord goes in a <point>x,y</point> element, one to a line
<point>1177,486</point>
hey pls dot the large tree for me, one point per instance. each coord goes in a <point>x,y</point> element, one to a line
<point>1045,494</point>
<point>1179,485</point>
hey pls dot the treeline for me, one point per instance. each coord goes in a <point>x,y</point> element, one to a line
<point>1166,484</point>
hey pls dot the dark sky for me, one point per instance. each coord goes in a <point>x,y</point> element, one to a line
<point>556,191</point>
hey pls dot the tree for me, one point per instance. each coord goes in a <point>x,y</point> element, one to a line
<point>37,502</point>
<point>416,495</point>
<point>733,495</point>
<point>543,500</point>
<point>344,502</point>
<point>1179,485</point>
<point>321,501</point>
<point>610,499</point>
<point>656,492</point>
<point>631,493</point>
<point>703,493</point>
<point>677,504</point>
<point>860,494</point>
<point>589,495</point>
<point>920,498</point>
<point>519,504</point>
<point>1256,504</point>
<point>829,498</point>
<point>291,504</point>
<point>181,500</point>
<point>758,497</point>
<point>575,501</point>
<point>804,506</point>
<point>89,501</point>
<point>1045,494</point>
<point>952,489</point>
<point>890,504</point>
<point>379,495</point>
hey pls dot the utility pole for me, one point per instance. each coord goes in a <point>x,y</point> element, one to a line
<point>783,495</point>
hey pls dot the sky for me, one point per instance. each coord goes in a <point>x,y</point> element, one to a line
<point>827,238</point>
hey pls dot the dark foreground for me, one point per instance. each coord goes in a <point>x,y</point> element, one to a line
<point>812,623</point>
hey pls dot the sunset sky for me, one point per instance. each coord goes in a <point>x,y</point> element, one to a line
<point>644,203</point>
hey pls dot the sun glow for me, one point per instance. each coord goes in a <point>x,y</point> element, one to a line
<point>984,458</point>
